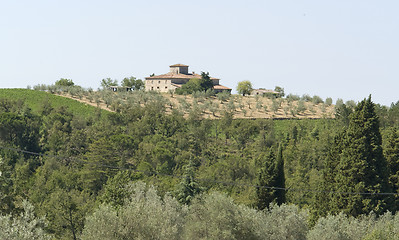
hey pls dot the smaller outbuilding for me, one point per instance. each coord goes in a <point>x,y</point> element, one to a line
<point>264,92</point>
<point>120,89</point>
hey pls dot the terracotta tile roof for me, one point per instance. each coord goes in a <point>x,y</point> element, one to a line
<point>176,76</point>
<point>221,87</point>
<point>178,65</point>
<point>177,85</point>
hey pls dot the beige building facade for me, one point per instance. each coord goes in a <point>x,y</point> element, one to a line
<point>263,92</point>
<point>175,78</point>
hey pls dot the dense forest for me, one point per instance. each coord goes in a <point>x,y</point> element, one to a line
<point>145,171</point>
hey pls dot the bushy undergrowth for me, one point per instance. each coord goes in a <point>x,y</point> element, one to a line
<point>145,215</point>
<point>364,227</point>
<point>23,227</point>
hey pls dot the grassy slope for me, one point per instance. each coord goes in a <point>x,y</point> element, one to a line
<point>34,99</point>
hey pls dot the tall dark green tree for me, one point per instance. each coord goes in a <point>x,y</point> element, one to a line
<point>188,187</point>
<point>280,178</point>
<point>391,153</point>
<point>321,205</point>
<point>271,180</point>
<point>362,167</point>
<point>206,81</point>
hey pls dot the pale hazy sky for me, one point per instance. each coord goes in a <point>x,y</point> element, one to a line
<point>332,48</point>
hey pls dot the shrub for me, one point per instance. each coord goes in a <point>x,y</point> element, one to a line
<point>292,97</point>
<point>144,216</point>
<point>339,102</point>
<point>223,96</point>
<point>306,98</point>
<point>329,101</point>
<point>301,108</point>
<point>317,100</point>
<point>26,226</point>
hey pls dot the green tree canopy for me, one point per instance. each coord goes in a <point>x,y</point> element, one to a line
<point>362,167</point>
<point>193,85</point>
<point>391,153</point>
<point>196,85</point>
<point>244,87</point>
<point>188,187</point>
<point>280,91</point>
<point>136,84</point>
<point>206,82</point>
<point>271,180</point>
<point>107,82</point>
<point>64,82</point>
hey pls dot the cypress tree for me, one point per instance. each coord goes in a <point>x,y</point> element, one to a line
<point>391,153</point>
<point>270,180</point>
<point>362,166</point>
<point>322,199</point>
<point>188,187</point>
<point>280,178</point>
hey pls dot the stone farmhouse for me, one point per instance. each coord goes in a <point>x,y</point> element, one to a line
<point>175,78</point>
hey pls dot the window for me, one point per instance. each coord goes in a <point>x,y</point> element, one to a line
<point>159,82</point>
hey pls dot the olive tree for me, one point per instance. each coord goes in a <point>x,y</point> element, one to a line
<point>244,87</point>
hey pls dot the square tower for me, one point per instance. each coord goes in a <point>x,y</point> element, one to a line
<point>179,69</point>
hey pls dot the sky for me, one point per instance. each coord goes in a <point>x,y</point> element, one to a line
<point>344,49</point>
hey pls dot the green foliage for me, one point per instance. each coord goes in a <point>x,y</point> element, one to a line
<point>342,113</point>
<point>212,216</point>
<point>24,227</point>
<point>202,84</point>
<point>107,82</point>
<point>34,101</point>
<point>317,100</point>
<point>329,101</point>
<point>223,96</point>
<point>244,87</point>
<point>115,193</point>
<point>306,98</point>
<point>280,91</point>
<point>85,158</point>
<point>362,166</point>
<point>144,216</point>
<point>391,153</point>
<point>364,227</point>
<point>301,108</point>
<point>188,187</point>
<point>206,82</point>
<point>292,97</point>
<point>193,85</point>
<point>64,82</point>
<point>217,217</point>
<point>271,180</point>
<point>135,84</point>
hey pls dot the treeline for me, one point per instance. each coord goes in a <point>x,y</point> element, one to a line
<point>207,103</point>
<point>78,172</point>
<point>143,214</point>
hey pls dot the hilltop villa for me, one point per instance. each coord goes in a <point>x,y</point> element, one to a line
<point>175,78</point>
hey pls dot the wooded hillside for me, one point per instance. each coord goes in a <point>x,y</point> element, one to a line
<point>83,170</point>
